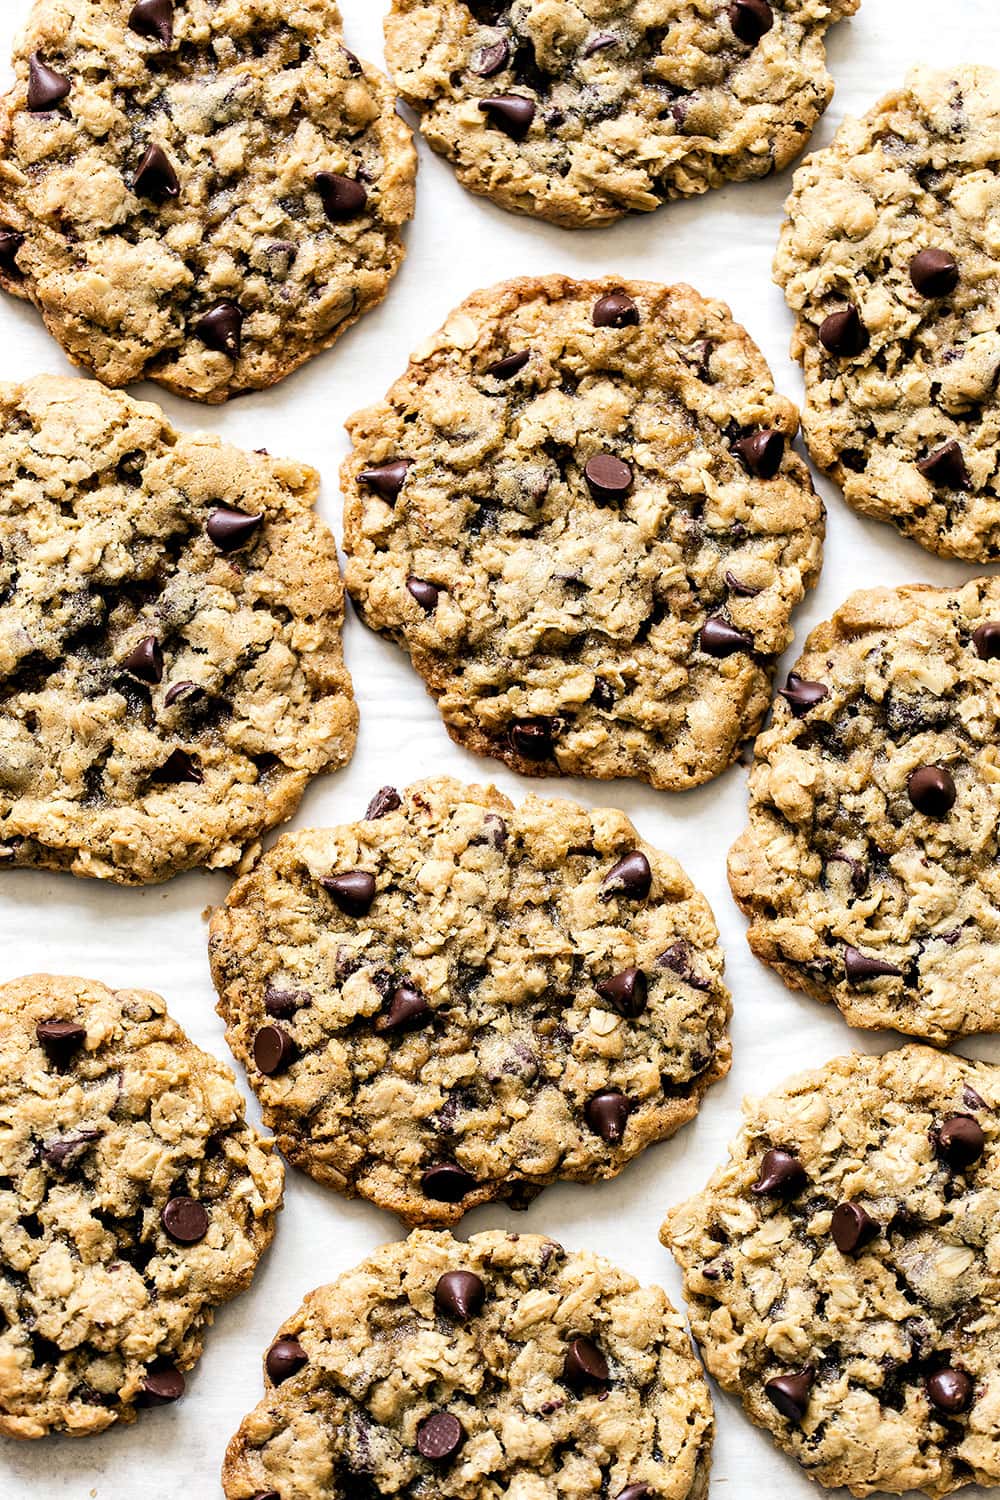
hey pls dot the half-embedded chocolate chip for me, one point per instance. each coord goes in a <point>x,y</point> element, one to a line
<point>532,738</point>
<point>677,958</point>
<point>631,877</point>
<point>511,113</point>
<point>761,452</point>
<point>607,1115</point>
<point>492,59</point>
<point>155,176</point>
<point>439,1436</point>
<point>853,1228</point>
<point>945,468</point>
<point>744,590</point>
<point>600,43</point>
<point>154,19</point>
<point>615,310</point>
<point>282,1004</point>
<point>986,639</point>
<point>178,767</point>
<point>285,1358</point>
<point>750,19</point>
<point>843,332</point>
<point>972,1099</point>
<point>608,478</point>
<point>46,87</point>
<point>627,992</point>
<point>64,1155</point>
<point>426,594</point>
<point>719,638</point>
<point>383,803</point>
<point>508,367</point>
<point>231,529</point>
<point>266,1495</point>
<point>221,329</point>
<point>163,1387</point>
<point>61,1040</point>
<point>950,1390</point>
<point>635,1492</point>
<point>387,479</point>
<point>10,244</point>
<point>585,1365</point>
<point>145,661</point>
<point>459,1295</point>
<point>447,1182</point>
<point>185,1220</point>
<point>931,789</point>
<point>344,198</point>
<point>407,1008</point>
<point>603,694</point>
<point>782,1175</point>
<point>354,891</point>
<point>179,690</point>
<point>960,1141</point>
<point>859,967</point>
<point>790,1393</point>
<point>934,273</point>
<point>273,1050</point>
<point>801,695</point>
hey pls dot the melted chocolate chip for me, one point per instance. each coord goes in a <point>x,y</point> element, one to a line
<point>859,966</point>
<point>426,594</point>
<point>603,694</point>
<point>608,478</point>
<point>532,738</point>
<point>354,891</point>
<point>459,1295</point>
<point>790,1393</point>
<point>934,273</point>
<point>185,1220</point>
<point>387,479</point>
<point>440,1436</point>
<point>627,992</point>
<point>231,529</point>
<point>145,661</point>
<point>761,452</point>
<point>384,802</point>
<point>931,789</point>
<point>153,19</point>
<point>511,113</point>
<point>801,695</point>
<point>492,59</point>
<point>408,1008</point>
<point>607,1115</point>
<point>10,244</point>
<point>163,1386</point>
<point>631,878</point>
<point>843,332</point>
<point>635,1492</point>
<point>273,1050</point>
<point>615,310</point>
<point>447,1182</point>
<point>960,1141</point>
<point>221,329</point>
<point>285,1358</point>
<point>782,1175</point>
<point>178,767</point>
<point>585,1366</point>
<point>508,367</point>
<point>750,19</point>
<point>46,87</point>
<point>155,176</point>
<point>344,198</point>
<point>61,1040</point>
<point>600,43</point>
<point>720,639</point>
<point>63,1155</point>
<point>852,1228</point>
<point>180,690</point>
<point>945,468</point>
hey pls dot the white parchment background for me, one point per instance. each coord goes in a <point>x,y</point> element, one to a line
<point>722,244</point>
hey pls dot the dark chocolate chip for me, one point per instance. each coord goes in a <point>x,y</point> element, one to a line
<point>931,789</point>
<point>163,1387</point>
<point>790,1393</point>
<point>960,1141</point>
<point>744,590</point>
<point>63,1155</point>
<point>607,1115</point>
<point>266,1495</point>
<point>843,332</point>
<point>285,1358</point>
<point>761,452</point>
<point>492,59</point>
<point>934,273</point>
<point>631,877</point>
<point>719,638</point>
<point>750,19</point>
<point>46,87</point>
<point>354,891</point>
<point>532,738</point>
<point>608,478</point>
<point>155,176</point>
<point>801,695</point>
<point>384,802</point>
<point>603,694</point>
<point>677,958</point>
<point>221,329</point>
<point>782,1175</point>
<point>585,1365</point>
<point>511,113</point>
<point>387,479</point>
<point>506,368</point>
<point>615,310</point>
<point>440,1436</point>
<point>145,661</point>
<point>950,1390</point>
<point>407,1008</point>
<point>635,1492</point>
<point>282,1004</point>
<point>459,1295</point>
<point>179,690</point>
<point>628,992</point>
<point>61,1040</point>
<point>600,43</point>
<point>860,967</point>
<point>178,767</point>
<point>185,1220</point>
<point>426,594</point>
<point>10,244</point>
<point>852,1228</point>
<point>344,198</point>
<point>154,19</point>
<point>273,1050</point>
<point>231,529</point>
<point>945,468</point>
<point>972,1099</point>
<point>447,1182</point>
<point>986,639</point>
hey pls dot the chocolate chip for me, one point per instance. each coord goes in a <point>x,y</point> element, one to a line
<point>677,958</point>
<point>266,1495</point>
<point>931,789</point>
<point>790,1393</point>
<point>178,767</point>
<point>945,468</point>
<point>801,695</point>
<point>719,638</point>
<point>950,1390</point>
<point>509,365</point>
<point>61,1040</point>
<point>145,661</point>
<point>511,113</point>
<point>615,310</point>
<point>426,594</point>
<point>750,19</point>
<point>273,1050</point>
<point>155,19</point>
<point>492,59</point>
<point>407,1008</point>
<point>532,738</point>
<point>934,273</point>
<point>628,992</point>
<point>607,1115</point>
<point>585,1365</point>
<point>782,1175</point>
<point>972,1099</point>
<point>860,967</point>
<point>459,1295</point>
<point>354,891</point>
<point>384,802</point>
<point>497,830</point>
<point>631,877</point>
<point>231,529</point>
<point>960,1141</point>
<point>600,43</point>
<point>603,694</point>
<point>852,1228</point>
<point>635,1492</point>
<point>282,1004</point>
<point>439,1436</point>
<point>843,332</point>
<point>185,1221</point>
<point>761,452</point>
<point>162,1387</point>
<point>986,639</point>
<point>64,1155</point>
<point>285,1358</point>
<point>221,329</point>
<point>46,87</point>
<point>447,1182</point>
<point>155,177</point>
<point>344,198</point>
<point>608,478</point>
<point>387,479</point>
<point>179,690</point>
<point>10,244</point>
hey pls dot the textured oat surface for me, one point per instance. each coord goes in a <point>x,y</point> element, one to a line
<point>628,102</point>
<point>920,172</point>
<point>841,868</point>
<point>169,685</point>
<point>567,629</point>
<point>771,1293</point>
<point>381,1358</point>
<point>251,101</point>
<point>98,1135</point>
<point>502,921</point>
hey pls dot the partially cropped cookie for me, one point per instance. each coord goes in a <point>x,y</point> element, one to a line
<point>868,869</point>
<point>842,1271</point>
<point>134,1198</point>
<point>580,111</point>
<point>457,1000</point>
<point>204,193</point>
<point>580,513</point>
<point>890,261</point>
<point>501,1366</point>
<point>170,658</point>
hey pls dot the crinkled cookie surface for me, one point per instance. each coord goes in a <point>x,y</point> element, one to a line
<point>843,1271</point>
<point>581,111</point>
<point>890,261</point>
<point>134,1198</point>
<point>869,869</point>
<point>504,1366</point>
<point>203,194</point>
<point>581,514</point>
<point>456,1000</point>
<point>170,657</point>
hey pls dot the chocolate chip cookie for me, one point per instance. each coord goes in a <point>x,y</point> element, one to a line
<point>456,1000</point>
<point>504,1366</point>
<point>134,1198</point>
<point>170,658</point>
<point>890,262</point>
<point>580,111</point>
<point>843,1271</point>
<point>868,870</point>
<point>204,193</point>
<point>581,514</point>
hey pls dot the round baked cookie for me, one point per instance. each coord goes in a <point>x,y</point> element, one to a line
<point>134,1198</point>
<point>504,1366</point>
<point>868,870</point>
<point>170,657</point>
<point>890,263</point>
<point>580,513</point>
<point>204,193</point>
<point>457,1000</point>
<point>580,111</point>
<point>842,1271</point>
